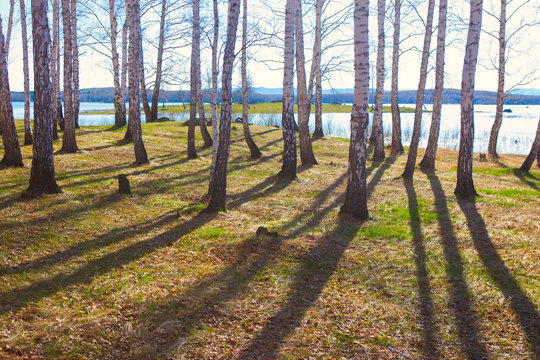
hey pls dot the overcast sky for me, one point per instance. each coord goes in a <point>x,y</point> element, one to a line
<point>524,59</point>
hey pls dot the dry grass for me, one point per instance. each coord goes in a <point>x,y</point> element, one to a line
<point>90,274</point>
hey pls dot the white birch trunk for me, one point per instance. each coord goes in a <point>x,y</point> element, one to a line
<point>69,143</point>
<point>159,63</point>
<point>119,111</point>
<point>501,96</point>
<point>9,27</point>
<point>378,151</point>
<point>213,103</point>
<point>42,178</point>
<point>465,184</point>
<point>253,148</point>
<point>356,193</point>
<point>76,92</point>
<point>316,71</point>
<point>397,147</point>
<point>219,187</point>
<point>12,151</point>
<point>26,74</point>
<point>428,162</point>
<point>135,42</point>
<point>413,148</point>
<point>288,166</point>
<point>306,151</point>
<point>123,77</point>
<point>54,65</point>
<point>195,37</point>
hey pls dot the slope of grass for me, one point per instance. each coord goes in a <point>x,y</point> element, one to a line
<point>91,274</point>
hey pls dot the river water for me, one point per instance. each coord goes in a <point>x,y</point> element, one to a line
<point>515,137</point>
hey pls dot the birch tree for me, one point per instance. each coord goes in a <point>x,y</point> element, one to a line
<point>316,71</point>
<point>12,150</point>
<point>159,62</point>
<point>9,27</point>
<point>42,178</point>
<point>413,148</point>
<point>55,69</point>
<point>144,93</point>
<point>202,117</point>
<point>465,184</point>
<point>428,162</point>
<point>494,135</point>
<point>288,166</point>
<point>512,20</point>
<point>219,187</point>
<point>306,150</point>
<point>397,146</point>
<point>213,102</point>
<point>76,91</point>
<point>69,142</point>
<point>133,16</point>
<point>356,193</point>
<point>377,132</point>
<point>26,74</point>
<point>119,101</point>
<point>195,38</point>
<point>534,153</point>
<point>253,148</point>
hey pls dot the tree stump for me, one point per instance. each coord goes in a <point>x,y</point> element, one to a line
<point>123,184</point>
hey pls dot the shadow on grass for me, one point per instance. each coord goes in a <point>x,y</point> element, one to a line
<point>522,306</point>
<point>100,201</point>
<point>308,283</point>
<point>202,301</point>
<point>429,329</point>
<point>17,298</point>
<point>521,175</point>
<point>460,297</point>
<point>231,281</point>
<point>268,185</point>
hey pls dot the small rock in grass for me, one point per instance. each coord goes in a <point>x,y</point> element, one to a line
<point>262,231</point>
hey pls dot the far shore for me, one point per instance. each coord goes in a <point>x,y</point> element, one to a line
<point>259,108</point>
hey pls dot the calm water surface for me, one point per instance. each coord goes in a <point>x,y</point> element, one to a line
<point>516,135</point>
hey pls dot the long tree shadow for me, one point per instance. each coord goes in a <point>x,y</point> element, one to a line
<point>107,199</point>
<point>522,306</point>
<point>17,298</point>
<point>429,329</point>
<point>254,255</point>
<point>521,175</point>
<point>113,236</point>
<point>308,283</point>
<point>234,279</point>
<point>460,297</point>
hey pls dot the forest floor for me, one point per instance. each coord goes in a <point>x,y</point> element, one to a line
<point>92,274</point>
<point>260,108</point>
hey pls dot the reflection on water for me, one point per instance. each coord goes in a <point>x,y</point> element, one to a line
<point>515,137</point>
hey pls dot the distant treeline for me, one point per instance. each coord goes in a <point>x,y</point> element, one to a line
<point>450,96</point>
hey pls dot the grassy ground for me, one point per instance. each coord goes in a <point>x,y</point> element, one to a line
<point>261,108</point>
<point>91,274</point>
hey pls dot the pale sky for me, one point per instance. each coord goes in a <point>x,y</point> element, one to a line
<point>524,60</point>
